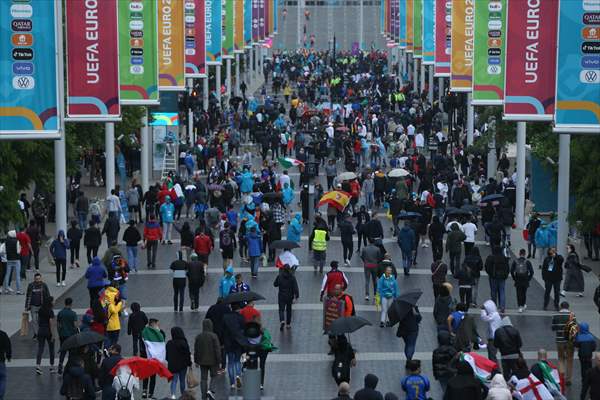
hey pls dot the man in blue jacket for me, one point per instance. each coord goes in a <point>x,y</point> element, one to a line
<point>254,241</point>
<point>295,229</point>
<point>406,242</point>
<point>96,278</point>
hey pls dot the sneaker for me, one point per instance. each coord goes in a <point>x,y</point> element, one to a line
<point>347,262</point>
<point>281,325</point>
<point>173,397</point>
<point>233,387</point>
<point>57,284</point>
<point>38,370</point>
<point>366,298</point>
<point>563,294</point>
<point>20,293</point>
<point>52,370</point>
<point>63,283</point>
<point>125,313</point>
<point>238,381</point>
<point>381,325</point>
<point>262,387</point>
<point>578,294</point>
<point>288,326</point>
<point>525,307</point>
<point>144,395</point>
<point>210,395</point>
<point>520,309</point>
<point>8,290</point>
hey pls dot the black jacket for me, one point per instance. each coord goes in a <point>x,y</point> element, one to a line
<point>464,386</point>
<point>178,351</point>
<point>5,347</point>
<point>195,273</point>
<point>496,266</point>
<point>288,287</point>
<point>132,236</point>
<point>591,383</point>
<point>92,237</point>
<point>76,374</point>
<point>369,392</point>
<point>507,340</point>
<point>556,275</point>
<point>410,323</point>
<point>136,323</point>
<point>215,313</point>
<point>106,378</point>
<point>346,231</point>
<point>443,356</point>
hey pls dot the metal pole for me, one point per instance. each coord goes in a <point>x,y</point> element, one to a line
<point>237,74</point>
<point>218,82</point>
<point>440,92</point>
<point>404,63</point>
<point>299,22</point>
<point>228,77</point>
<point>60,184</point>
<point>205,89</point>
<point>470,118</point>
<point>422,82</point>
<point>520,206</point>
<point>190,133</point>
<point>564,166</point>
<point>145,156</point>
<point>252,64</point>
<point>361,28</point>
<point>415,75</point>
<point>491,160</point>
<point>400,61</point>
<point>109,144</point>
<point>430,80</point>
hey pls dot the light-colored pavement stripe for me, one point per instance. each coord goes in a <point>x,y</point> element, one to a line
<point>331,238</point>
<point>316,357</point>
<point>319,307</point>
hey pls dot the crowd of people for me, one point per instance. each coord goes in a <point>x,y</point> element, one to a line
<point>348,115</point>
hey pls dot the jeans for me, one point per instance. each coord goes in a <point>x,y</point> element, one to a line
<point>254,263</point>
<point>521,295</point>
<point>548,286</point>
<point>168,228</point>
<point>61,266</point>
<point>410,343</point>
<point>113,337</point>
<point>362,239</point>
<point>35,317</point>
<point>234,366</point>
<point>347,248</point>
<point>13,265</point>
<point>498,293</point>
<point>386,303</point>
<point>2,379</point>
<point>132,252</point>
<point>465,294</point>
<point>454,261</point>
<point>319,258</point>
<point>92,251</point>
<point>437,248</point>
<point>178,292</point>
<point>36,257</point>
<point>287,308</point>
<point>204,383</point>
<point>148,385</point>
<point>41,344</point>
<point>194,291</point>
<point>151,247</point>
<point>406,260</point>
<point>82,217</point>
<point>178,376</point>
<point>370,273</point>
<point>369,200</point>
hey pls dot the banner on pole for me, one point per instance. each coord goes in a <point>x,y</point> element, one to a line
<point>428,32</point>
<point>489,53</point>
<point>402,23</point>
<point>275,17</point>
<point>171,51</point>
<point>418,29</point>
<point>138,58</point>
<point>410,34</point>
<point>228,28</point>
<point>578,67</point>
<point>255,22</point>
<point>92,61</point>
<point>214,35</point>
<point>248,23</point>
<point>30,86</point>
<point>461,58</point>
<point>238,36</point>
<point>261,20</point>
<point>443,37</point>
<point>530,60</point>
<point>195,47</point>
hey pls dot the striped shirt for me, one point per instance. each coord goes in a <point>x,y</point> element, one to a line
<point>558,325</point>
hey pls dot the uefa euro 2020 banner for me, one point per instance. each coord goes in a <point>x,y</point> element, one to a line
<point>461,58</point>
<point>530,60</point>
<point>489,53</point>
<point>410,40</point>
<point>214,34</point>
<point>402,23</point>
<point>248,23</point>
<point>428,32</point>
<point>171,52</point>
<point>443,37</point>
<point>92,60</point>
<point>238,35</point>
<point>578,67</point>
<point>228,28</point>
<point>138,58</point>
<point>195,46</point>
<point>418,29</point>
<point>30,79</point>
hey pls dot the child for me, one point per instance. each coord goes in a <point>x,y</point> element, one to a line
<point>414,384</point>
<point>137,321</point>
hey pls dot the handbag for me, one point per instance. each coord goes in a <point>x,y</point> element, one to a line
<point>24,324</point>
<point>190,378</point>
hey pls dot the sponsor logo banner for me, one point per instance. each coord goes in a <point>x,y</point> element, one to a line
<point>171,51</point>
<point>443,42</point>
<point>429,32</point>
<point>214,28</point>
<point>195,46</point>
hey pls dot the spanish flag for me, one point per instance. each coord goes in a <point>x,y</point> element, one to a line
<point>336,198</point>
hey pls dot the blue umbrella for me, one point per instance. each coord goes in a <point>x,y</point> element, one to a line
<point>409,215</point>
<point>492,197</point>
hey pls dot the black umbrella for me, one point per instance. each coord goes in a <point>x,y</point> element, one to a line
<point>458,212</point>
<point>271,196</point>
<point>81,339</point>
<point>284,244</point>
<point>402,306</point>
<point>492,197</point>
<point>409,215</point>
<point>242,297</point>
<point>345,325</point>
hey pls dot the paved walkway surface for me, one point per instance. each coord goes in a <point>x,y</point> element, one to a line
<point>302,355</point>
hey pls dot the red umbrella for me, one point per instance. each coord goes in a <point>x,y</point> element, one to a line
<point>143,368</point>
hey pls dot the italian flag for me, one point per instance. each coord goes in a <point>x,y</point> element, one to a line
<point>287,162</point>
<point>154,340</point>
<point>481,365</point>
<point>552,378</point>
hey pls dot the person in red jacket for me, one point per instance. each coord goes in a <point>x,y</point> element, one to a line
<point>331,279</point>
<point>152,235</point>
<point>203,245</point>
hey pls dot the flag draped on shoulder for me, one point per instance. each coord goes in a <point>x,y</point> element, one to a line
<point>482,366</point>
<point>154,340</point>
<point>288,162</point>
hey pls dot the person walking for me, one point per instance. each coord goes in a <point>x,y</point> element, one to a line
<point>233,343</point>
<point>207,356</point>
<point>369,392</point>
<point>58,251</point>
<point>5,356</point>
<point>82,206</point>
<point>490,315</point>
<point>474,262</point>
<point>167,215</point>
<point>178,359</point>
<point>317,243</point>
<point>344,357</point>
<point>132,237</point>
<point>92,238</point>
<point>442,359</point>
<point>439,269</point>
<point>12,252</point>
<point>408,330</point>
<point>96,276</point>
<point>227,244</point>
<point>552,274</point>
<point>407,243</point>
<point>287,294</point>
<point>113,326</point>
<point>255,249</point>
<point>154,347</point>
<point>454,242</point>
<point>371,256</point>
<point>332,279</point>
<point>66,326</point>
<point>152,235</point>
<point>585,342</point>
<point>464,385</point>
<point>136,323</point>
<point>563,323</point>
<point>347,232</point>
<point>36,242</point>
<point>74,234</point>
<point>507,340</point>
<point>111,228</point>
<point>179,269</point>
<point>196,278</point>
<point>106,377</point>
<point>226,283</point>
<point>521,271</point>
<point>36,295</point>
<point>574,281</point>
<point>435,231</point>
<point>187,239</point>
<point>470,230</point>
<point>387,289</point>
<point>46,323</point>
<point>532,226</point>
<point>203,246</point>
<point>496,266</point>
<point>591,382</point>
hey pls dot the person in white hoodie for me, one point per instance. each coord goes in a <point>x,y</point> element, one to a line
<point>499,389</point>
<point>489,314</point>
<point>124,379</point>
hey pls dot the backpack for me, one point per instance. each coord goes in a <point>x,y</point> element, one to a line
<point>226,239</point>
<point>75,390</point>
<point>123,393</point>
<point>431,200</point>
<point>571,328</point>
<point>521,270</point>
<point>353,306</point>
